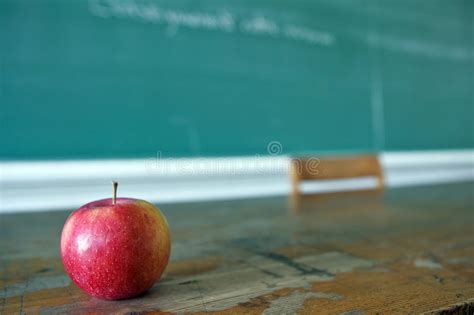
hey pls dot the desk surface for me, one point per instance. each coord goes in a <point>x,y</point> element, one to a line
<point>410,250</point>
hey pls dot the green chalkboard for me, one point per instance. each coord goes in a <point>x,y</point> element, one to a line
<point>128,78</point>
<point>426,57</point>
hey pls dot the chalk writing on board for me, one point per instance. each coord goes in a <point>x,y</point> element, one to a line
<point>423,48</point>
<point>223,20</point>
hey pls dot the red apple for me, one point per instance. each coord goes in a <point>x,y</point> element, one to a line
<point>115,248</point>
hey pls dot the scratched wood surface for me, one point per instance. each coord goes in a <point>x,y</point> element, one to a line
<point>410,250</point>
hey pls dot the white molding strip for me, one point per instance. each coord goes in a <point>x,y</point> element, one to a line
<point>427,158</point>
<point>55,185</point>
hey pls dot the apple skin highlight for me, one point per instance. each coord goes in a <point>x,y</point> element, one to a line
<point>115,251</point>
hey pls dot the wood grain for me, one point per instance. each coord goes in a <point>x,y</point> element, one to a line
<point>408,251</point>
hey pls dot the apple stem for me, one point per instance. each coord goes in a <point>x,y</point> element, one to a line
<point>114,191</point>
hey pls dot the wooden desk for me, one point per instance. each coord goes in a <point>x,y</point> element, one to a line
<point>408,251</point>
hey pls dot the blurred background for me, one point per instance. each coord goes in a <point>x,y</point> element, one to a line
<point>189,100</point>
